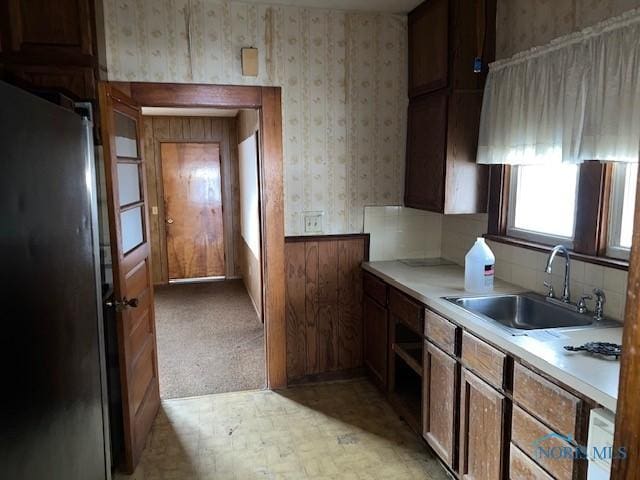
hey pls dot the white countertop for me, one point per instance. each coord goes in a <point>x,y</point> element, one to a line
<point>594,377</point>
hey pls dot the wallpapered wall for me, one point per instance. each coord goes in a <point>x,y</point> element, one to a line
<point>344,88</point>
<point>523,24</point>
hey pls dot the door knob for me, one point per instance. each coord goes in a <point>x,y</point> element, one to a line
<point>169,221</point>
<point>123,304</point>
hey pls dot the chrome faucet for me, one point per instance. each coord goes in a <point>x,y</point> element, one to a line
<point>566,295</point>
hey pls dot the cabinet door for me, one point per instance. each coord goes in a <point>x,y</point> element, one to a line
<point>428,47</point>
<point>41,28</point>
<point>439,402</point>
<point>481,429</point>
<point>426,145</point>
<point>376,339</point>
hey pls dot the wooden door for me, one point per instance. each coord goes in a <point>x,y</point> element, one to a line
<point>376,324</point>
<point>481,429</point>
<point>426,152</point>
<point>133,289</point>
<point>439,402</point>
<point>193,209</point>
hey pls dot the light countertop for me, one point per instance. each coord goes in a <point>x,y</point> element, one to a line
<point>594,377</point>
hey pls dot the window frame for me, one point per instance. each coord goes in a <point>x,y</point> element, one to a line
<point>591,227</point>
<point>618,184</point>
<point>530,235</point>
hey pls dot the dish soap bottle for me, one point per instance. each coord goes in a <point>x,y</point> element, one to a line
<point>479,268</point>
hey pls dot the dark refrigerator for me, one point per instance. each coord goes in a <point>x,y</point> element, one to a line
<point>53,406</point>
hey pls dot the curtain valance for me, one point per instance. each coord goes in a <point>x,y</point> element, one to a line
<point>575,99</point>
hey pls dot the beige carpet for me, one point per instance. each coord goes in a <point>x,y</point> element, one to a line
<point>210,339</point>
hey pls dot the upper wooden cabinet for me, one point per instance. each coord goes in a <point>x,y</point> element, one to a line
<point>428,47</point>
<point>441,171</point>
<point>42,27</point>
<point>445,103</point>
<point>50,45</point>
<point>445,36</point>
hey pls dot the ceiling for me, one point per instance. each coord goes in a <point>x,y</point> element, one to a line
<point>390,6</point>
<point>189,112</point>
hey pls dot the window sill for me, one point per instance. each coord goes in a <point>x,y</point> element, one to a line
<point>539,247</point>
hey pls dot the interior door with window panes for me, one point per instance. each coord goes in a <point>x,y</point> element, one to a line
<point>130,250</point>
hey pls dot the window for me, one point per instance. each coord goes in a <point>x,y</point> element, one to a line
<point>542,203</point>
<point>623,196</point>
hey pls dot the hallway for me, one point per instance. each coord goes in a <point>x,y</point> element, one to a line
<point>210,339</point>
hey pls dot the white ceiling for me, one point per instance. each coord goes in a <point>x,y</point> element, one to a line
<point>189,112</point>
<point>391,6</point>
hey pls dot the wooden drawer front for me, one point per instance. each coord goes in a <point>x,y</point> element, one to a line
<point>375,288</point>
<point>440,331</point>
<point>483,359</point>
<point>526,433</point>
<point>522,467</point>
<point>547,401</point>
<point>407,310</point>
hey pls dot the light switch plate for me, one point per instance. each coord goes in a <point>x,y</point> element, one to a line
<point>154,210</point>
<point>312,222</point>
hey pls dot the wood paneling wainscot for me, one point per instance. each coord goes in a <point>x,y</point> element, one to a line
<point>324,305</point>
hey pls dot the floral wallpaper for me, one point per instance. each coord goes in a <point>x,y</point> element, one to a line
<point>524,24</point>
<point>343,77</point>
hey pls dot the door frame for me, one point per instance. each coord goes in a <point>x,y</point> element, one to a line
<point>268,102</point>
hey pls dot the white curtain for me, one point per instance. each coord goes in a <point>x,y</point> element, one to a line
<point>575,99</point>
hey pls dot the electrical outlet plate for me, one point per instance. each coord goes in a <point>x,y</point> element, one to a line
<point>312,222</point>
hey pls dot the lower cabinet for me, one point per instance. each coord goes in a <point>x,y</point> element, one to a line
<point>479,408</point>
<point>376,325</point>
<point>482,428</point>
<point>440,402</point>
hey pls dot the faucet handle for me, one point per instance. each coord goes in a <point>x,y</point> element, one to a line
<point>601,299</point>
<point>551,293</point>
<point>582,305</point>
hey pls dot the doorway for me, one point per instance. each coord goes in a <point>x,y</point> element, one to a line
<point>204,215</point>
<point>136,401</point>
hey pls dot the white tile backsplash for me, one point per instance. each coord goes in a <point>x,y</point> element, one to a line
<point>525,267</point>
<point>400,232</point>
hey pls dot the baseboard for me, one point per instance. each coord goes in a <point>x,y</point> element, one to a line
<point>329,376</point>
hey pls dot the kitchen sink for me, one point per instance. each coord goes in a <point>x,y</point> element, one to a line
<point>526,311</point>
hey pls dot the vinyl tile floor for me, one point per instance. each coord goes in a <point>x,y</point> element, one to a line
<point>341,430</point>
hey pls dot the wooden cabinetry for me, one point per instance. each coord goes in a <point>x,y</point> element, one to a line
<point>50,45</point>
<point>440,403</point>
<point>482,429</point>
<point>406,330</point>
<point>376,346</point>
<point>482,411</point>
<point>42,27</point>
<point>547,418</point>
<point>445,102</point>
<point>428,47</point>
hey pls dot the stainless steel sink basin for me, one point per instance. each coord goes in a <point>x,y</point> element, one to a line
<point>527,311</point>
